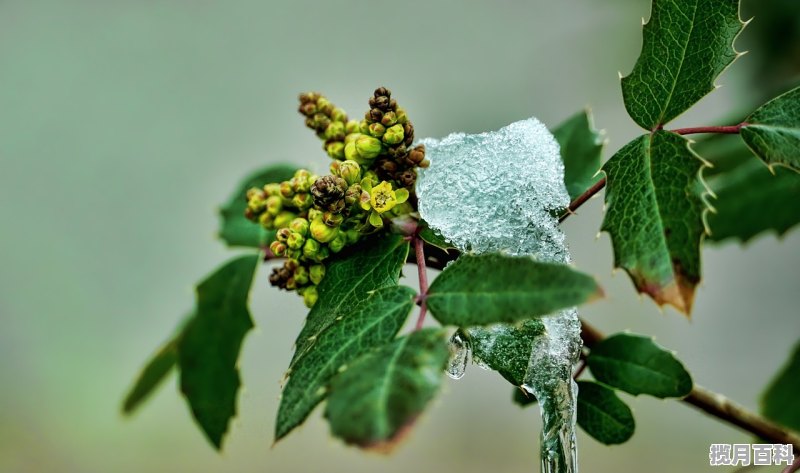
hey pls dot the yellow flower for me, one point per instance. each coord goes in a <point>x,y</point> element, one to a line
<point>381,198</point>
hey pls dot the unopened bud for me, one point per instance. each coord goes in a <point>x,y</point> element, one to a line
<point>351,126</point>
<point>353,194</point>
<point>350,171</point>
<point>389,119</point>
<point>272,188</point>
<point>295,241</point>
<point>301,276</point>
<point>338,243</point>
<point>368,147</point>
<point>277,248</point>
<point>376,130</point>
<point>299,225</point>
<point>335,131</point>
<point>321,232</point>
<point>394,135</point>
<point>267,221</point>
<point>273,205</point>
<point>335,149</point>
<point>402,118</point>
<point>363,126</point>
<point>302,201</point>
<point>283,234</point>
<point>284,218</point>
<point>310,296</point>
<point>286,189</point>
<point>338,115</point>
<point>332,219</point>
<point>316,273</point>
<point>311,248</point>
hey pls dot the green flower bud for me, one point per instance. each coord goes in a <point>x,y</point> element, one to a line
<point>335,131</point>
<point>284,218</point>
<point>394,135</point>
<point>338,243</point>
<point>294,254</point>
<point>350,171</point>
<point>283,234</point>
<point>352,126</point>
<point>277,248</point>
<point>352,236</point>
<point>363,126</point>
<point>291,284</point>
<point>322,102</point>
<point>272,189</point>
<point>368,147</point>
<point>339,115</point>
<point>321,232</point>
<point>286,189</point>
<point>311,248</point>
<point>310,296</point>
<point>316,273</point>
<point>389,119</point>
<point>299,225</point>
<point>402,118</point>
<point>350,151</point>
<point>353,194</point>
<point>370,179</point>
<point>256,201</point>
<point>300,183</point>
<point>267,221</point>
<point>335,150</point>
<point>295,240</point>
<point>377,130</point>
<point>273,205</point>
<point>314,213</point>
<point>322,254</point>
<point>301,276</point>
<point>332,219</point>
<point>302,201</point>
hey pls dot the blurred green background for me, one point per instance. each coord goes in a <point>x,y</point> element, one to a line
<point>126,123</point>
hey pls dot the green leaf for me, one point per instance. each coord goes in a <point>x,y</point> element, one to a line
<point>773,131</point>
<point>686,45</point>
<point>492,288</point>
<point>779,401</point>
<point>235,229</point>
<point>522,398</point>
<point>156,370</point>
<point>637,365</point>
<point>377,398</point>
<point>749,198</point>
<point>581,150</point>
<point>209,347</point>
<point>433,237</point>
<point>349,279</point>
<point>603,415</point>
<point>374,323</point>
<point>655,216</point>
<point>504,348</point>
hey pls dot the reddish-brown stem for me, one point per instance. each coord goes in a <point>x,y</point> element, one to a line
<point>419,251</point>
<point>730,130</point>
<point>581,199</point>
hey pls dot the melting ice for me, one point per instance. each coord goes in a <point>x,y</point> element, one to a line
<point>500,192</point>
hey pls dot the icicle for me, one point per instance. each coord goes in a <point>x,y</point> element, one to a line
<point>460,352</point>
<point>500,191</point>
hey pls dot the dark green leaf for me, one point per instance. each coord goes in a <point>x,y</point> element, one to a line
<point>379,396</point>
<point>603,415</point>
<point>779,402</point>
<point>522,398</point>
<point>156,370</point>
<point>433,237</point>
<point>209,347</point>
<point>636,365</point>
<point>749,198</point>
<point>374,323</point>
<point>492,288</point>
<point>504,348</point>
<point>235,229</point>
<point>773,131</point>
<point>655,216</point>
<point>581,150</point>
<point>686,45</point>
<point>349,279</point>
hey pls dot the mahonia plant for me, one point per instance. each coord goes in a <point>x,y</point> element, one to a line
<point>341,241</point>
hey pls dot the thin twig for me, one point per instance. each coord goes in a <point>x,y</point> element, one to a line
<point>718,405</point>
<point>730,130</point>
<point>581,199</point>
<point>423,280</point>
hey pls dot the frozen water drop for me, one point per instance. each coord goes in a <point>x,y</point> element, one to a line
<point>460,352</point>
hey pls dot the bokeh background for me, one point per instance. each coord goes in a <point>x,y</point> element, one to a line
<point>124,124</point>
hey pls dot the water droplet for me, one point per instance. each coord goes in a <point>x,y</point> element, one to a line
<point>460,353</point>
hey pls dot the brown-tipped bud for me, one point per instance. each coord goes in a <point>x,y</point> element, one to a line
<point>382,91</point>
<point>328,192</point>
<point>350,171</point>
<point>352,126</point>
<point>416,155</point>
<point>374,115</point>
<point>295,240</point>
<point>321,232</point>
<point>283,234</point>
<point>392,104</point>
<point>302,201</point>
<point>308,109</point>
<point>335,149</point>
<point>376,130</point>
<point>267,221</point>
<point>388,119</point>
<point>353,194</point>
<point>382,103</point>
<point>272,188</point>
<point>299,225</point>
<point>407,178</point>
<point>277,248</point>
<point>286,189</point>
<point>284,218</point>
<point>394,135</point>
<point>397,151</point>
<point>332,219</point>
<point>402,118</point>
<point>334,131</point>
<point>274,205</point>
<point>309,97</point>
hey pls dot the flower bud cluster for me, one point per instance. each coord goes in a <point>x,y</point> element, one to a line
<point>328,121</point>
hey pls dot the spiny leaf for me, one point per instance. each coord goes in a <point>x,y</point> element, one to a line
<point>779,401</point>
<point>380,395</point>
<point>349,279</point>
<point>655,216</point>
<point>156,370</point>
<point>209,347</point>
<point>492,288</point>
<point>235,229</point>
<point>773,131</point>
<point>581,150</point>
<point>504,348</point>
<point>686,45</point>
<point>749,199</point>
<point>433,237</point>
<point>636,365</point>
<point>375,322</point>
<point>603,415</point>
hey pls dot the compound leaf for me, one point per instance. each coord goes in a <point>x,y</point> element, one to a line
<point>655,216</point>
<point>492,288</point>
<point>603,415</point>
<point>374,323</point>
<point>209,346</point>
<point>235,229</point>
<point>773,131</point>
<point>637,365</point>
<point>686,45</point>
<point>380,395</point>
